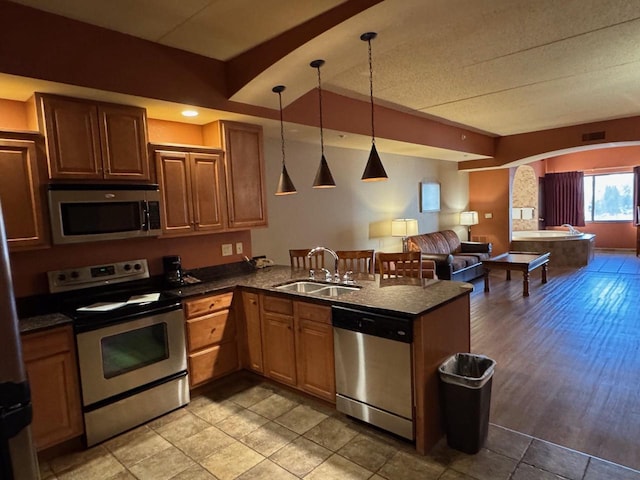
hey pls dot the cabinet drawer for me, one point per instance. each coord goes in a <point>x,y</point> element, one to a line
<point>213,362</point>
<point>206,305</point>
<point>280,305</point>
<point>317,313</point>
<point>210,329</point>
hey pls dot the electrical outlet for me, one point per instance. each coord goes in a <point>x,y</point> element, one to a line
<point>239,248</point>
<point>488,215</point>
<point>227,249</point>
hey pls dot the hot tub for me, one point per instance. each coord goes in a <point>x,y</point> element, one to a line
<point>567,249</point>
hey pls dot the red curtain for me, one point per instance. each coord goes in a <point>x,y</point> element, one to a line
<point>564,198</point>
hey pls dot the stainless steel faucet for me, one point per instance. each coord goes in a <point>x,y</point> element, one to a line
<point>572,230</point>
<point>336,273</point>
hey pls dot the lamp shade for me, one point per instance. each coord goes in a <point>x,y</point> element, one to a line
<point>374,170</point>
<point>324,179</point>
<point>404,227</point>
<point>469,218</point>
<point>285,185</point>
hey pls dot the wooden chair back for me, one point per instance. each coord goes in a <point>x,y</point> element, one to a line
<point>357,261</point>
<point>299,259</point>
<point>394,265</point>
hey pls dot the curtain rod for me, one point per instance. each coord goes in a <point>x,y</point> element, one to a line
<point>609,169</point>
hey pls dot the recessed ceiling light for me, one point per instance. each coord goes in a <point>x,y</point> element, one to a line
<point>189,113</point>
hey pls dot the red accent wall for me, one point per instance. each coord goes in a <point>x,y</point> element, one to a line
<point>489,193</point>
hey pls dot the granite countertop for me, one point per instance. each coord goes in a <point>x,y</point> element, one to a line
<point>404,297</point>
<point>41,322</point>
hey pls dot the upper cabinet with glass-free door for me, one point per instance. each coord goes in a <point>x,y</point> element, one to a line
<point>93,141</point>
<point>244,171</point>
<point>192,189</point>
<point>22,181</point>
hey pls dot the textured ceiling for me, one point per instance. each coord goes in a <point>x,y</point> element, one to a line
<point>502,66</point>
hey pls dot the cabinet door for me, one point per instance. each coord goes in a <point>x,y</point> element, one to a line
<point>314,345</point>
<point>279,347</point>
<point>212,362</point>
<point>73,139</point>
<point>252,332</point>
<point>51,368</point>
<point>20,194</point>
<point>244,169</point>
<point>123,139</point>
<point>174,179</point>
<point>206,180</point>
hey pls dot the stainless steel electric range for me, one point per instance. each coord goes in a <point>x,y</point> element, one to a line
<point>131,345</point>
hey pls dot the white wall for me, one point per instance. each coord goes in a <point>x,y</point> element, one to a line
<point>355,214</point>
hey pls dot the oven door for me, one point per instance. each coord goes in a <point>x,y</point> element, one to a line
<point>118,358</point>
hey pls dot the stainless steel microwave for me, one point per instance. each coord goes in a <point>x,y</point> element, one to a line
<point>89,213</point>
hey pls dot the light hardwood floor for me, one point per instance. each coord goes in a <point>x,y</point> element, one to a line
<point>568,356</point>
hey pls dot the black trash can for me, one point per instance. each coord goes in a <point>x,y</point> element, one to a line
<point>466,398</point>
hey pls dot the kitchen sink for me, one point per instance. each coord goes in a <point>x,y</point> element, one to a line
<point>316,288</point>
<point>301,287</point>
<point>334,291</point>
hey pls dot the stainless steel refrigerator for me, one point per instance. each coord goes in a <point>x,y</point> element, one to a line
<point>18,458</point>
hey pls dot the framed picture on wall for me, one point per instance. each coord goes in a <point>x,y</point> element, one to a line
<point>429,197</point>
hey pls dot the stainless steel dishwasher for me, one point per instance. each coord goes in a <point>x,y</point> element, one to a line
<point>373,368</point>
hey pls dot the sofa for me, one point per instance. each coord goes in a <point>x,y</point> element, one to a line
<point>455,260</point>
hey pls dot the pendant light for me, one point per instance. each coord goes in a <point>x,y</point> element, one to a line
<point>323,179</point>
<point>374,171</point>
<point>285,185</point>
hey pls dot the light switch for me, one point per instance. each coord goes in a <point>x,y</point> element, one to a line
<point>239,248</point>
<point>488,215</point>
<point>227,249</point>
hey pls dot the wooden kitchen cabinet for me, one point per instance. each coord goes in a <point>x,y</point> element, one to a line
<point>93,141</point>
<point>21,192</point>
<point>50,361</point>
<point>192,189</point>
<point>278,339</point>
<point>244,171</point>
<point>212,347</point>
<point>297,341</point>
<point>252,332</point>
<point>314,350</point>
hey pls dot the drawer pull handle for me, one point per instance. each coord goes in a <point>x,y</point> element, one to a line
<point>213,329</point>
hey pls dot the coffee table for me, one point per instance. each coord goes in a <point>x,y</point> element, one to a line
<point>524,262</point>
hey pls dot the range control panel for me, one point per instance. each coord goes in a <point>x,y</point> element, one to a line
<point>97,275</point>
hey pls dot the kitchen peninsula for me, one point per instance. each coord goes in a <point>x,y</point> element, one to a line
<point>439,310</point>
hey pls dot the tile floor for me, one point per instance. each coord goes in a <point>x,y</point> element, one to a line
<point>251,429</point>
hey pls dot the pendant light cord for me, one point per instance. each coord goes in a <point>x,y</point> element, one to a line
<point>373,134</point>
<point>320,110</point>
<point>281,126</point>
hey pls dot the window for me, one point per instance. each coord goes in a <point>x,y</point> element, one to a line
<point>608,198</point>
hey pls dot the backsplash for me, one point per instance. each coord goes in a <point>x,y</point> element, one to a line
<point>29,267</point>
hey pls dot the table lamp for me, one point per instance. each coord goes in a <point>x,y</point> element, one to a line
<point>404,227</point>
<point>467,219</point>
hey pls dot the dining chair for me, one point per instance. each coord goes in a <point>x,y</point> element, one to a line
<point>357,261</point>
<point>299,259</point>
<point>394,265</point>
